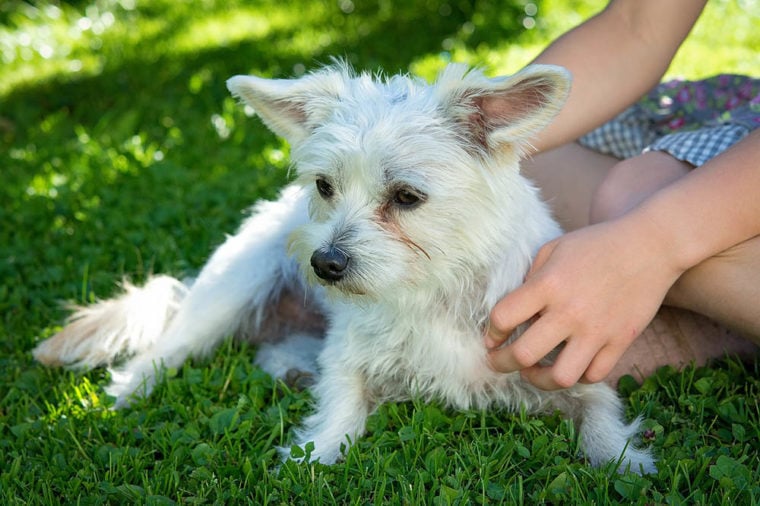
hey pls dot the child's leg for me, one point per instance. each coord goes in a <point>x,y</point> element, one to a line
<point>725,287</point>
<point>631,181</point>
<point>568,177</point>
<point>678,338</point>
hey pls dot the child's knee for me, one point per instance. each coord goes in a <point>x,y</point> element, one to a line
<point>631,181</point>
<point>615,194</point>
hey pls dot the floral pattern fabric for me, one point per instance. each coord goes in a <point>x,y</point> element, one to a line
<point>688,105</point>
<point>691,120</point>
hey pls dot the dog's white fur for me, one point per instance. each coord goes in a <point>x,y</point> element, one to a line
<point>417,188</point>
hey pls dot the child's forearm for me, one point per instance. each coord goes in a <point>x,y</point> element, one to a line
<point>712,209</point>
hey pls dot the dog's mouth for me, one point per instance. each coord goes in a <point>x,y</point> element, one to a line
<point>343,287</point>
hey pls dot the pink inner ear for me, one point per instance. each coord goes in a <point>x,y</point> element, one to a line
<point>293,110</point>
<point>510,108</point>
<point>513,105</point>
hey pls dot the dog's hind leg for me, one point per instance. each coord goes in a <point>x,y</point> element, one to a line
<point>243,276</point>
<point>242,279</point>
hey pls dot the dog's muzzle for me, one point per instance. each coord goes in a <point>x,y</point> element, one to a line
<point>330,263</point>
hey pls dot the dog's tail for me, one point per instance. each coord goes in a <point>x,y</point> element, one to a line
<point>99,334</point>
<point>604,435</point>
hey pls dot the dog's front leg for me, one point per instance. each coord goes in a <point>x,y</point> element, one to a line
<point>341,413</point>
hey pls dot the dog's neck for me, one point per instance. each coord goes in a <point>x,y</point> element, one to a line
<point>465,304</point>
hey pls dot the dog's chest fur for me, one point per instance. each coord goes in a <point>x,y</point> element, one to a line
<point>407,349</point>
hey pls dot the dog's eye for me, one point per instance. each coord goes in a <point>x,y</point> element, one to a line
<point>406,198</point>
<point>324,188</point>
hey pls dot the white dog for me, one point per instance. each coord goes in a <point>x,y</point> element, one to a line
<point>409,219</point>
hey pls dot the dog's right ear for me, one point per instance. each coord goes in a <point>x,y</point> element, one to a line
<point>290,107</point>
<point>506,110</point>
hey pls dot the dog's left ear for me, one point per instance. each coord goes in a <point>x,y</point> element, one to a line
<point>291,107</point>
<point>509,109</point>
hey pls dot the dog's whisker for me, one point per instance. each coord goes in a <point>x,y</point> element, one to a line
<point>415,247</point>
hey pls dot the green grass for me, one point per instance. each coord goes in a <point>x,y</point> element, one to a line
<point>122,154</point>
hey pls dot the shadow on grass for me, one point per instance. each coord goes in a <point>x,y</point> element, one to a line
<point>142,162</point>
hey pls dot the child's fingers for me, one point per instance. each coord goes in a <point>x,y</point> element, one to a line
<point>534,344</point>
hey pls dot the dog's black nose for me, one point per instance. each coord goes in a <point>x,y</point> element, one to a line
<point>330,263</point>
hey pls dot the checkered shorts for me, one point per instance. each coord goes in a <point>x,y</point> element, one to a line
<point>692,121</point>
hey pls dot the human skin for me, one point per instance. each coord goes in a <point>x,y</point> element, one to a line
<point>598,287</point>
<point>581,187</point>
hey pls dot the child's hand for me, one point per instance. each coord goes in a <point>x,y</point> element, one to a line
<point>596,289</point>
